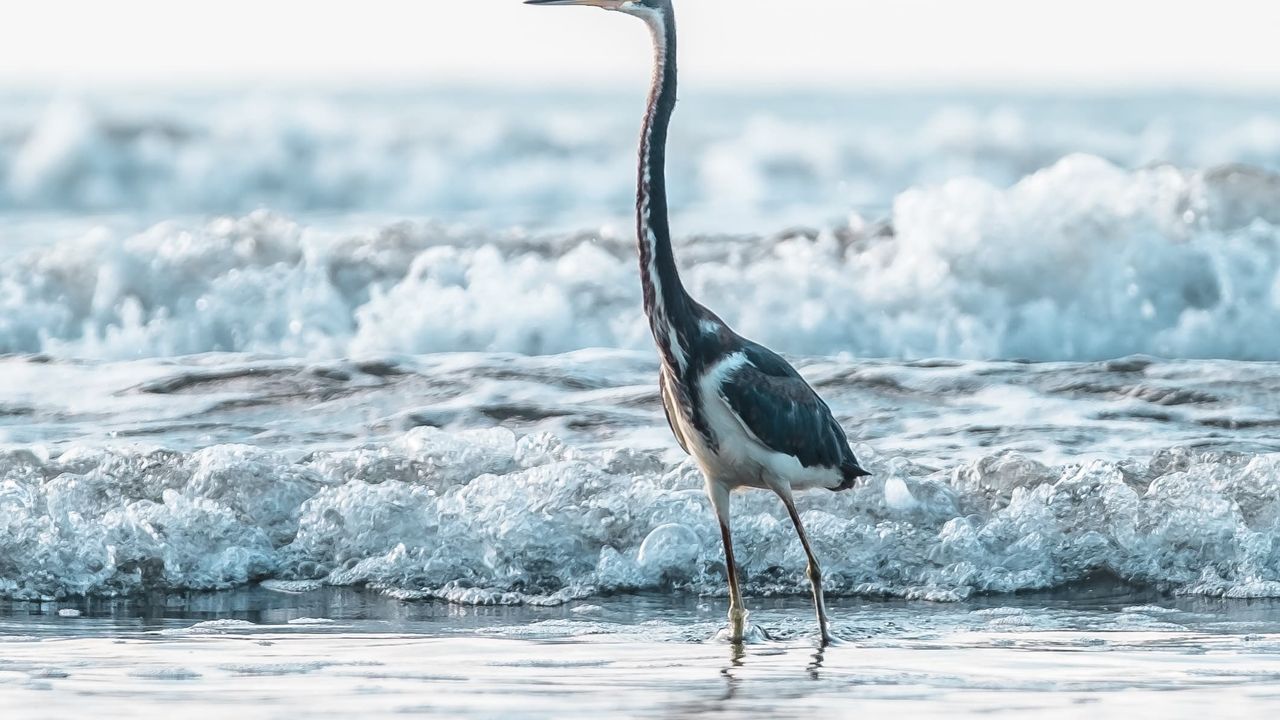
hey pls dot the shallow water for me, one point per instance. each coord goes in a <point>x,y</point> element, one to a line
<point>1113,650</point>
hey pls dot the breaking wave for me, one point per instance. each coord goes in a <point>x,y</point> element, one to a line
<point>485,517</point>
<point>1080,261</point>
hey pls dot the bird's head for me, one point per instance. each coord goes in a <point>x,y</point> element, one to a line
<point>631,7</point>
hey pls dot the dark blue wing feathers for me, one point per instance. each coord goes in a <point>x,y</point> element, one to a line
<point>786,415</point>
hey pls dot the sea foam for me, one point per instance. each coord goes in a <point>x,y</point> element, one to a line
<point>486,517</point>
<point>1080,261</point>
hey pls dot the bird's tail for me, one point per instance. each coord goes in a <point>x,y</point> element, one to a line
<point>852,473</point>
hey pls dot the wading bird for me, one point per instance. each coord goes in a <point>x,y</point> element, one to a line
<point>739,409</point>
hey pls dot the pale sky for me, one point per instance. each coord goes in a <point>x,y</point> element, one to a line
<point>846,43</point>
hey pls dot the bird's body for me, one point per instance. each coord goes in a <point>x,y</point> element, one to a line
<point>744,414</point>
<point>751,421</point>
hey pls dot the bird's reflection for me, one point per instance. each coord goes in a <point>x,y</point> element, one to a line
<point>819,657</point>
<point>737,661</point>
<point>738,651</point>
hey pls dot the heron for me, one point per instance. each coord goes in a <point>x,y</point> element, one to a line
<point>740,410</point>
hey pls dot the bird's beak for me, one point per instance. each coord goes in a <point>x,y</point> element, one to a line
<point>584,3</point>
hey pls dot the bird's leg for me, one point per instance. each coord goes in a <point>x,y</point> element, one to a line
<point>813,571</point>
<point>737,611</point>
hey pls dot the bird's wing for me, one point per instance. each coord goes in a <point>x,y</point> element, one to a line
<point>780,409</point>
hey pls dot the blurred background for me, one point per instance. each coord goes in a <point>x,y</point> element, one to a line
<point>989,179</point>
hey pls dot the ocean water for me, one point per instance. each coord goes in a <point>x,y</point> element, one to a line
<point>374,363</point>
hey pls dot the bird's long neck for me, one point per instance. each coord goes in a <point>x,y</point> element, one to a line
<point>665,300</point>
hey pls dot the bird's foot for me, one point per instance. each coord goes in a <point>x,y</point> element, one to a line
<point>836,638</point>
<point>825,635</point>
<point>747,634</point>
